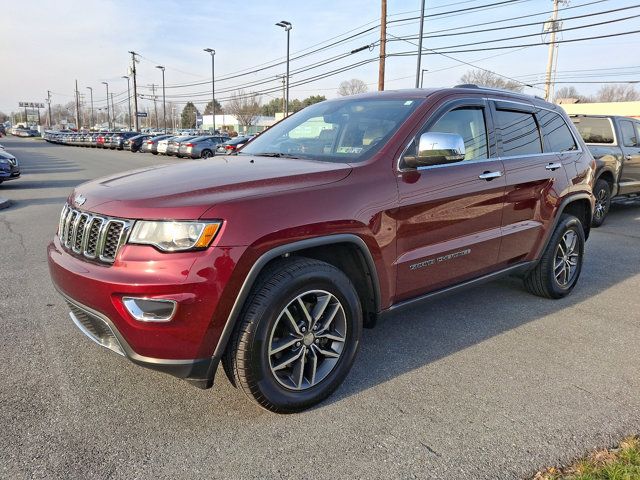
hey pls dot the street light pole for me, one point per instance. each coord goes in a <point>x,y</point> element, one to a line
<point>108,117</point>
<point>91,92</point>
<point>49,104</point>
<point>213,86</point>
<point>287,27</point>
<point>422,77</point>
<point>418,70</point>
<point>129,100</point>
<point>164,107</point>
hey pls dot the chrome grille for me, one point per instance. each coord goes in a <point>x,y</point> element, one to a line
<point>94,236</point>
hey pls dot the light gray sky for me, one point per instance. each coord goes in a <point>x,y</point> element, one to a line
<point>47,45</point>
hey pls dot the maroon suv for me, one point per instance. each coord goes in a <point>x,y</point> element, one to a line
<point>273,260</point>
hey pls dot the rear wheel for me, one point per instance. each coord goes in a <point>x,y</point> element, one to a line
<point>207,154</point>
<point>558,270</point>
<point>602,192</point>
<point>297,337</point>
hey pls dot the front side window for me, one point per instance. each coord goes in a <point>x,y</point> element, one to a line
<point>556,131</point>
<point>519,133</point>
<point>344,131</point>
<point>629,136</point>
<point>594,130</point>
<point>469,123</point>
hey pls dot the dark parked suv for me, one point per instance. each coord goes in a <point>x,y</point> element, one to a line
<point>274,259</point>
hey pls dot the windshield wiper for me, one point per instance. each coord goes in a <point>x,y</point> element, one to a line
<point>275,154</point>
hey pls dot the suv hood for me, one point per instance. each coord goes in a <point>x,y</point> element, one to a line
<point>187,190</point>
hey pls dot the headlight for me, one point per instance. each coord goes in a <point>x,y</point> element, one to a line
<point>4,161</point>
<point>174,236</point>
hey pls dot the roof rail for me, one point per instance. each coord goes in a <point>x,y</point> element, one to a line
<point>466,85</point>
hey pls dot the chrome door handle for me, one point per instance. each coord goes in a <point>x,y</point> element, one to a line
<point>488,176</point>
<point>553,166</point>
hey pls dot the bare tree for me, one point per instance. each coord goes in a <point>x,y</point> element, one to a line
<point>352,87</point>
<point>244,106</point>
<point>485,78</point>
<point>617,93</point>
<point>570,92</point>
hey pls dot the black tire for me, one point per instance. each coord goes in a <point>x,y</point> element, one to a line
<point>206,154</point>
<point>247,361</point>
<point>602,192</point>
<point>543,280</point>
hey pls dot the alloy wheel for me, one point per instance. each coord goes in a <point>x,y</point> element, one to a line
<point>307,340</point>
<point>566,260</point>
<point>601,204</point>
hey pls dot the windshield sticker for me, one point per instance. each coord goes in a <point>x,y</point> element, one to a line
<point>349,149</point>
<point>408,102</point>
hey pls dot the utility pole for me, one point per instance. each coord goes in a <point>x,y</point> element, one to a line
<point>92,119</point>
<point>108,117</point>
<point>113,111</point>
<point>383,44</point>
<point>128,99</point>
<point>213,86</point>
<point>283,92</point>
<point>135,90</point>
<point>155,104</point>
<point>418,66</point>
<point>553,27</point>
<point>77,108</point>
<point>164,104</point>
<point>49,104</point>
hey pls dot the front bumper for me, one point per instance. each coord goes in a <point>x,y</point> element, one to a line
<point>182,347</point>
<point>11,174</point>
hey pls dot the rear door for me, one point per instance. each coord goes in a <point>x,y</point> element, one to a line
<point>534,172</point>
<point>449,216</point>
<point>630,176</point>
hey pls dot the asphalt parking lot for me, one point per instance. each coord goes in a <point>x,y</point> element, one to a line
<point>493,383</point>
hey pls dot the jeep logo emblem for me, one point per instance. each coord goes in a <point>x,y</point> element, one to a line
<point>79,200</point>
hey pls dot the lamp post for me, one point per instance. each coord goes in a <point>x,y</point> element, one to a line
<point>92,119</point>
<point>422,77</point>
<point>287,28</point>
<point>128,100</point>
<point>213,86</point>
<point>164,106</point>
<point>108,117</point>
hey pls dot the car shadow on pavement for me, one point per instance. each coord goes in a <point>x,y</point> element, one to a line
<point>26,184</point>
<point>428,332</point>
<point>30,202</point>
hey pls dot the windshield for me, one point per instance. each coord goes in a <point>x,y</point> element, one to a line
<point>345,131</point>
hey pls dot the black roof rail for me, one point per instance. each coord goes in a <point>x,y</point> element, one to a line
<point>466,85</point>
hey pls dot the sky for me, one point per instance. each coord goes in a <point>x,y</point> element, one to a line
<point>48,45</point>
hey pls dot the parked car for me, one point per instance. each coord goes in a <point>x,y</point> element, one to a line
<point>200,147</point>
<point>118,139</point>
<point>615,144</point>
<point>273,261</point>
<point>173,145</point>
<point>151,144</point>
<point>9,167</point>
<point>133,144</point>
<point>232,145</point>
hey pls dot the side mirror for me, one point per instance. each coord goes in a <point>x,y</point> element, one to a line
<point>435,148</point>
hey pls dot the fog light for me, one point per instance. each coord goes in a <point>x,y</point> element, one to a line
<point>150,309</point>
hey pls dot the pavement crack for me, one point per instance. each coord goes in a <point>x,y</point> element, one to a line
<point>7,224</point>
<point>429,448</point>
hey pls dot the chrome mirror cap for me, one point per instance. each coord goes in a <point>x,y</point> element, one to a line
<point>435,148</point>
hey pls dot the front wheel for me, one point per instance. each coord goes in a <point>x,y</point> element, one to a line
<point>602,192</point>
<point>297,337</point>
<point>558,270</point>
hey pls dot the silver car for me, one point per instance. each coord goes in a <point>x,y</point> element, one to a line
<point>201,147</point>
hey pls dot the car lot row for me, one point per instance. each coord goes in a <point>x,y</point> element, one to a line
<point>183,146</point>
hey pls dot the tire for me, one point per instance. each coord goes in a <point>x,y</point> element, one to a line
<point>264,324</point>
<point>553,277</point>
<point>206,154</point>
<point>602,192</point>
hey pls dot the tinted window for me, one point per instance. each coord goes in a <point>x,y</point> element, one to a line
<point>556,132</point>
<point>594,130</point>
<point>468,122</point>
<point>629,136</point>
<point>519,133</point>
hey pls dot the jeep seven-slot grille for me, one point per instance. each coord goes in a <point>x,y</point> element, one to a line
<point>93,236</point>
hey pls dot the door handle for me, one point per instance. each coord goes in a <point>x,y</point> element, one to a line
<point>553,166</point>
<point>488,176</point>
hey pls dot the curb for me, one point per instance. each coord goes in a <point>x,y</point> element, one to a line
<point>4,203</point>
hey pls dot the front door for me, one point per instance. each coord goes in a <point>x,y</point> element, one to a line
<point>449,216</point>
<point>630,176</point>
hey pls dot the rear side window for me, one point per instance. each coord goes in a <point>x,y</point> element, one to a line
<point>556,132</point>
<point>629,134</point>
<point>519,133</point>
<point>594,130</point>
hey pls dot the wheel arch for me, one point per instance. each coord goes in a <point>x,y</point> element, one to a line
<point>579,205</point>
<point>352,254</point>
